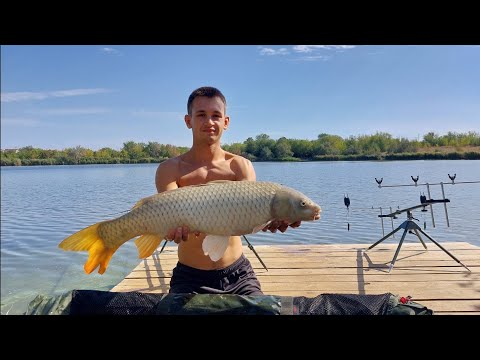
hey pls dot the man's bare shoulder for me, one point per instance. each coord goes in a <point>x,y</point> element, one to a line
<point>170,164</point>
<point>237,159</point>
<point>167,173</point>
<point>242,167</point>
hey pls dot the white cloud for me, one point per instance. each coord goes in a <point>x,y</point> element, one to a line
<point>157,114</point>
<point>270,51</point>
<point>80,111</point>
<point>312,58</point>
<point>24,122</point>
<point>27,95</point>
<point>111,51</point>
<point>310,48</point>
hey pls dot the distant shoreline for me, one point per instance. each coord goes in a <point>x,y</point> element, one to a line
<point>376,147</point>
<point>472,155</point>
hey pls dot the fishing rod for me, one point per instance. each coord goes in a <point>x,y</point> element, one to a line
<point>250,246</point>
<point>423,198</point>
<point>410,226</point>
<point>415,180</point>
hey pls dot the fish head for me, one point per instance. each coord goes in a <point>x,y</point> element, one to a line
<point>291,205</point>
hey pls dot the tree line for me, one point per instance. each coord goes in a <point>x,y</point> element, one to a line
<point>379,146</point>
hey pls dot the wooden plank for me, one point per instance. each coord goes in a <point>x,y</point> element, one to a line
<point>449,305</point>
<point>462,255</point>
<point>302,263</point>
<point>377,256</point>
<point>457,313</point>
<point>450,246</point>
<point>369,277</point>
<point>385,246</point>
<point>474,261</point>
<point>358,271</point>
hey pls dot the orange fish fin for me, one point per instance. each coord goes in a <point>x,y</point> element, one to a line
<point>89,240</point>
<point>215,246</point>
<point>147,244</point>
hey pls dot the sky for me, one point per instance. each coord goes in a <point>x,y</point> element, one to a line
<point>95,96</point>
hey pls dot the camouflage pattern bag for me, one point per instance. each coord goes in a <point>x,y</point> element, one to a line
<point>400,305</point>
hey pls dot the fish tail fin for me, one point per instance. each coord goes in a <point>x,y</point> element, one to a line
<point>89,240</point>
<point>147,244</point>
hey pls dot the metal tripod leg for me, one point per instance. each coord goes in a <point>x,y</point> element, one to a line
<point>398,249</point>
<point>386,236</point>
<point>419,238</point>
<point>163,247</point>
<point>441,247</point>
<point>250,246</point>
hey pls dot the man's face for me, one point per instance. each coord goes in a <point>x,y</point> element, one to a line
<point>208,120</point>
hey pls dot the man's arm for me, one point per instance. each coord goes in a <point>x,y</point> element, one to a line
<point>166,179</point>
<point>166,176</point>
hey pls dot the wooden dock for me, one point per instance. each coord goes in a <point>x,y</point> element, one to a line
<point>431,277</point>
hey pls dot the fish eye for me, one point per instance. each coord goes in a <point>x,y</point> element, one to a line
<point>303,203</point>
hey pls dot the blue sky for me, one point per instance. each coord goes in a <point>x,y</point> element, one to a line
<point>94,96</point>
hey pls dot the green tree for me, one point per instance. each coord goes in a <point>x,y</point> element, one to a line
<point>265,153</point>
<point>133,150</point>
<point>329,145</point>
<point>282,148</point>
<point>154,149</point>
<point>302,149</point>
<point>431,139</point>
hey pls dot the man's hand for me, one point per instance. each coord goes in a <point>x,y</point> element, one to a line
<point>178,234</point>
<point>280,225</point>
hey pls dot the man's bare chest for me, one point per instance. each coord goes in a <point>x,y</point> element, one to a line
<point>202,174</point>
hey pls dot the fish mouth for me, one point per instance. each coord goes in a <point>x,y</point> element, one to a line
<point>316,216</point>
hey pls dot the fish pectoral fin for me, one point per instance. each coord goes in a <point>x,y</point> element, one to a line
<point>260,227</point>
<point>215,246</point>
<point>147,244</point>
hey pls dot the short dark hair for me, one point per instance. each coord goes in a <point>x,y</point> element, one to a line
<point>207,91</point>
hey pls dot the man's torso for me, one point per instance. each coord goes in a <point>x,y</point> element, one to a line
<point>190,252</point>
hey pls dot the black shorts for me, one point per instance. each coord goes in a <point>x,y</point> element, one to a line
<point>238,278</point>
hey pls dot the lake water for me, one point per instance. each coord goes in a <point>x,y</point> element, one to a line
<point>40,206</point>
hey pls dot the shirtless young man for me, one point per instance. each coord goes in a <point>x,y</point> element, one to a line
<point>206,161</point>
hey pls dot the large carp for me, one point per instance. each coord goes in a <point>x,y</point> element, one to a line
<point>219,209</point>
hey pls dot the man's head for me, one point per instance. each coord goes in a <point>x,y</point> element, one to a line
<point>207,91</point>
<point>207,115</point>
